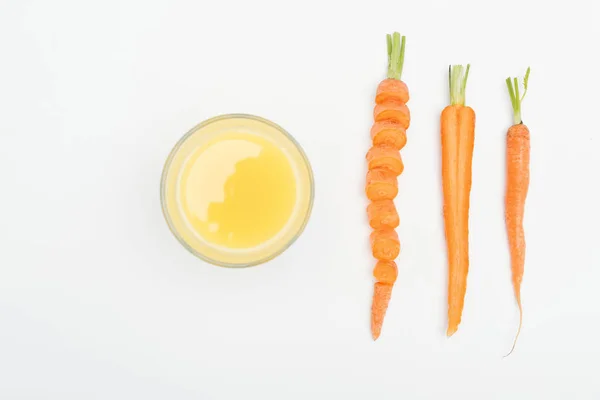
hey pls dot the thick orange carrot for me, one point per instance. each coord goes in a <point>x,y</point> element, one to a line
<point>457,134</point>
<point>381,185</point>
<point>385,244</point>
<point>517,186</point>
<point>386,272</point>
<point>385,157</point>
<point>388,136</point>
<point>383,215</point>
<point>388,133</point>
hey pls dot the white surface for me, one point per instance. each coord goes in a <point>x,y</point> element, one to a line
<point>99,301</point>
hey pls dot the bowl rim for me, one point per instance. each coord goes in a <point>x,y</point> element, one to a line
<point>171,156</point>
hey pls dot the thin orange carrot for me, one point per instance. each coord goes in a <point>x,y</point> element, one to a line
<point>517,186</point>
<point>388,136</point>
<point>457,134</point>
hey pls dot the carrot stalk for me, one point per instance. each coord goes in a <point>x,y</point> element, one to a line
<point>458,135</point>
<point>388,136</point>
<point>517,186</point>
<point>395,46</point>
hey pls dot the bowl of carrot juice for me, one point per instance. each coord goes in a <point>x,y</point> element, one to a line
<point>237,190</point>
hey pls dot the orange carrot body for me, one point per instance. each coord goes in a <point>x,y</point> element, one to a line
<point>458,133</point>
<point>388,135</point>
<point>517,186</point>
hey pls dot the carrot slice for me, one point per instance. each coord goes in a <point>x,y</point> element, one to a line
<point>391,90</point>
<point>392,111</point>
<point>385,157</point>
<point>381,300</point>
<point>388,133</point>
<point>385,244</point>
<point>386,272</point>
<point>381,185</point>
<point>382,214</point>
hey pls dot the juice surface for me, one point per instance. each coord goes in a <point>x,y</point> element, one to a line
<point>237,191</point>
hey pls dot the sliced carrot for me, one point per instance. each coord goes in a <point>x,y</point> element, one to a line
<point>388,136</point>
<point>385,244</point>
<point>382,214</point>
<point>386,272</point>
<point>391,90</point>
<point>392,111</point>
<point>381,300</point>
<point>385,157</point>
<point>381,185</point>
<point>388,133</point>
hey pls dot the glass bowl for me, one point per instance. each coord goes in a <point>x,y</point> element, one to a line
<point>211,129</point>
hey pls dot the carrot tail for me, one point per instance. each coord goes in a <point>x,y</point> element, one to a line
<point>517,286</point>
<point>381,298</point>
<point>517,246</point>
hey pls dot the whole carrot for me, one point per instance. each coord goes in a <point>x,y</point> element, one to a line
<point>517,185</point>
<point>457,135</point>
<point>388,136</point>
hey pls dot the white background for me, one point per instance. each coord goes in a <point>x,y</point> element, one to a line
<point>99,301</point>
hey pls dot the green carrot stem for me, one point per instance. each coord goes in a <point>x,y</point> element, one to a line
<point>515,98</point>
<point>395,48</point>
<point>458,75</point>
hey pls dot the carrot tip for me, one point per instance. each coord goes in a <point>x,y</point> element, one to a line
<point>451,331</point>
<point>381,298</point>
<point>520,325</point>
